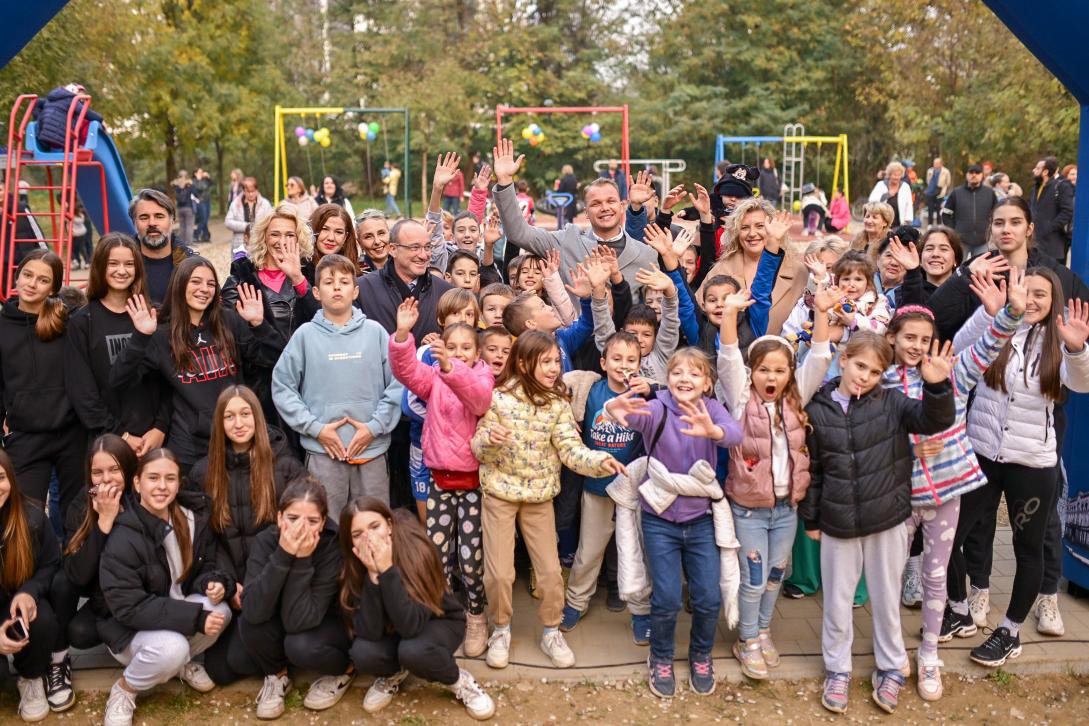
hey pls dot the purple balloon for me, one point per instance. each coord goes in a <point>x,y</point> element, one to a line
<point>300,131</point>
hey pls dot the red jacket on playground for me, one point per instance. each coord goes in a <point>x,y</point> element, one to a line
<point>455,187</point>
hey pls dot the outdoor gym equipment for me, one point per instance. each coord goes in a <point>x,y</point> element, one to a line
<point>795,142</point>
<point>665,168</point>
<point>280,152</point>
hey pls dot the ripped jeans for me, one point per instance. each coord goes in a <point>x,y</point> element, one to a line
<point>766,537</point>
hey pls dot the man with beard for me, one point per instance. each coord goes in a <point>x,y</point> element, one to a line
<point>152,214</point>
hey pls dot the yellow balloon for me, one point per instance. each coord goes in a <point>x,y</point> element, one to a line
<point>797,205</point>
<point>325,142</point>
<point>526,133</point>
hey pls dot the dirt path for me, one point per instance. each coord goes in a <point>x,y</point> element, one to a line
<point>999,698</point>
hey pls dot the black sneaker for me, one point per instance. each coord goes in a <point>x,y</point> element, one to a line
<point>955,624</point>
<point>58,686</point>
<point>997,648</point>
<point>792,591</point>
<point>613,601</point>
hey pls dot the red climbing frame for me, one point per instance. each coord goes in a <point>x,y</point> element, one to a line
<point>625,153</point>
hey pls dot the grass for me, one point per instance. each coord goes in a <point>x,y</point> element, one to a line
<point>1002,678</point>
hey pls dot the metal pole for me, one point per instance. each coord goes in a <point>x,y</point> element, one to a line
<point>407,176</point>
<point>626,148</point>
<point>276,156</point>
<point>498,125</point>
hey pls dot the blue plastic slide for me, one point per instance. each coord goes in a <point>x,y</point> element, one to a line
<point>89,182</point>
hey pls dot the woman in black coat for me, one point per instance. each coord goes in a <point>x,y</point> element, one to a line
<point>167,600</point>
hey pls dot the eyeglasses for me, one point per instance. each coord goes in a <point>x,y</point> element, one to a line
<point>414,249</point>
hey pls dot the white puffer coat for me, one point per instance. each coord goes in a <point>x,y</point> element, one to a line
<point>1018,427</point>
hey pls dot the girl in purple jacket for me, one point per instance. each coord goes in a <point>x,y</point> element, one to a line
<point>681,426</point>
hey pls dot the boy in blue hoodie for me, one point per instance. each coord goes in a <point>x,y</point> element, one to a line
<point>334,386</point>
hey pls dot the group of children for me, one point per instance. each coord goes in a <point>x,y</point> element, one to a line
<point>233,501</point>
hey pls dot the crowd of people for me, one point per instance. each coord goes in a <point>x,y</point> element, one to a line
<point>340,457</point>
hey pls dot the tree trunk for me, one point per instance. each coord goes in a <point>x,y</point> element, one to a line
<point>171,162</point>
<point>219,177</point>
<point>367,163</point>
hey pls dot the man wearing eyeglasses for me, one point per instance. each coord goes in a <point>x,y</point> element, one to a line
<point>604,209</point>
<point>381,292</point>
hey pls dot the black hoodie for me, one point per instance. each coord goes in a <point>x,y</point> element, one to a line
<point>236,541</point>
<point>96,336</point>
<point>46,552</point>
<point>297,590</point>
<point>135,575</point>
<point>196,390</point>
<point>32,392</point>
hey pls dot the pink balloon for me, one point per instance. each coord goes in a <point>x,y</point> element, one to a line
<point>300,131</point>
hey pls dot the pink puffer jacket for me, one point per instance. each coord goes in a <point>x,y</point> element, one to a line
<point>455,402</point>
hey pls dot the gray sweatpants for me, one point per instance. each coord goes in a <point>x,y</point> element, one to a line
<point>883,555</point>
<point>345,482</point>
<point>155,656</point>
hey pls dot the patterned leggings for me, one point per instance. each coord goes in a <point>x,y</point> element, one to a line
<point>453,524</point>
<point>939,525</point>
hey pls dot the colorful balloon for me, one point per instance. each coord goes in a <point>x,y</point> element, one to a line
<point>371,135</point>
<point>303,141</point>
<point>325,142</point>
<point>595,137</point>
<point>594,128</point>
<point>310,134</point>
<point>527,133</point>
<point>300,131</point>
<point>362,127</point>
<point>373,127</point>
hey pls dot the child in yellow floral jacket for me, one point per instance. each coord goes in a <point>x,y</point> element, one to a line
<point>520,443</point>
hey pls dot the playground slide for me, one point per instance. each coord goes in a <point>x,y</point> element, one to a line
<point>118,192</point>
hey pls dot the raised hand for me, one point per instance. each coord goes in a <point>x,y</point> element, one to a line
<point>145,319</point>
<point>685,238</point>
<point>738,301</point>
<point>492,230</point>
<point>408,312</point>
<point>446,168</point>
<point>552,263</point>
<point>826,297</point>
<point>483,177</point>
<point>655,279</point>
<point>992,296</point>
<point>937,366</point>
<point>249,306</point>
<point>661,241</point>
<point>1074,330</point>
<point>702,202</point>
<point>430,339</point>
<point>289,261</point>
<point>995,265</point>
<point>816,267</point>
<point>442,357</point>
<point>608,257</point>
<point>640,189</point>
<point>907,255</point>
<point>1017,292</point>
<point>673,196</point>
<point>504,163</point>
<point>580,282</point>
<point>780,225</point>
<point>597,271</point>
<point>699,421</point>
<point>626,405</point>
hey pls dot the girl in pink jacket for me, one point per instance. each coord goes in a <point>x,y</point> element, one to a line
<point>458,391</point>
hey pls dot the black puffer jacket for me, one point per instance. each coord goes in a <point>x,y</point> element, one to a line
<point>135,576</point>
<point>235,542</point>
<point>954,302</point>
<point>81,566</point>
<point>46,553</point>
<point>860,461</point>
<point>298,591</point>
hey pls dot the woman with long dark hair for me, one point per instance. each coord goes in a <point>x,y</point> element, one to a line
<point>111,466</point>
<point>403,618</point>
<point>30,557</point>
<point>43,433</point>
<point>97,333</point>
<point>331,193</point>
<point>167,600</point>
<point>199,348</point>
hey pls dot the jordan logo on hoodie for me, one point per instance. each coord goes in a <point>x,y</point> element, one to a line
<point>208,364</point>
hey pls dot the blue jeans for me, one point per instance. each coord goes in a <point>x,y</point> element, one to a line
<point>766,537</point>
<point>391,206</point>
<point>670,548</point>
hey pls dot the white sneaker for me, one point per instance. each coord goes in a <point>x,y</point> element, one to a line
<point>193,675</point>
<point>1048,619</point>
<point>327,691</point>
<point>382,692</point>
<point>498,649</point>
<point>270,700</point>
<point>912,583</point>
<point>979,605</point>
<point>929,684</point>
<point>32,703</point>
<point>119,707</point>
<point>555,647</point>
<point>478,703</point>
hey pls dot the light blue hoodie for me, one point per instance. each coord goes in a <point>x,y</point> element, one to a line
<point>327,372</point>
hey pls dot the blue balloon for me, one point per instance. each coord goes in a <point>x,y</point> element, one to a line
<point>310,134</point>
<point>595,137</point>
<point>371,136</point>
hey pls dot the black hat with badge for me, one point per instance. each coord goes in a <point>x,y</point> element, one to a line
<point>737,181</point>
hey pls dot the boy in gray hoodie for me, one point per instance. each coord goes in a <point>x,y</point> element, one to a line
<point>334,386</point>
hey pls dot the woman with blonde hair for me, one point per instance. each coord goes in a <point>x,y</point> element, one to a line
<point>753,226</point>
<point>277,263</point>
<point>876,221</point>
<point>297,195</point>
<point>896,193</point>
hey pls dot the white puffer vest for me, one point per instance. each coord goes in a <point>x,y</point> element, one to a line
<point>1018,427</point>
